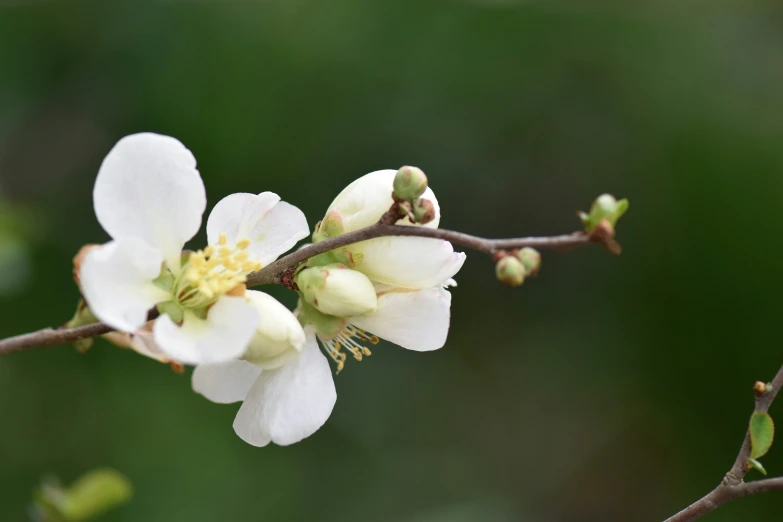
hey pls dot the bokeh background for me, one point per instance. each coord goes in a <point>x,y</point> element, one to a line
<point>607,389</point>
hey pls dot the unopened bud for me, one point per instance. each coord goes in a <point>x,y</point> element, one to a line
<point>330,226</point>
<point>337,290</point>
<point>423,211</point>
<point>409,183</point>
<point>278,334</point>
<point>531,260</point>
<point>760,388</point>
<point>510,271</point>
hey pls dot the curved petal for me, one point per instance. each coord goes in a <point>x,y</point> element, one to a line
<point>272,225</point>
<point>148,187</point>
<point>290,403</point>
<point>278,337</point>
<point>409,262</point>
<point>225,382</point>
<point>116,281</point>
<point>363,202</point>
<point>222,336</point>
<point>416,320</point>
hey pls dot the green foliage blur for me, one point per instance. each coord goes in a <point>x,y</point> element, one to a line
<point>606,389</point>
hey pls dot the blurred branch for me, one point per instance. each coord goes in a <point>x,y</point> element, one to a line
<point>275,273</point>
<point>51,336</point>
<point>733,485</point>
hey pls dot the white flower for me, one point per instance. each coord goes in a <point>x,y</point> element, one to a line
<point>411,309</point>
<point>406,262</point>
<point>410,275</point>
<point>283,405</point>
<point>150,199</point>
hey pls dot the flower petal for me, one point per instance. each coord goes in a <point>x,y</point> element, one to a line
<point>116,280</point>
<point>278,337</point>
<point>363,202</point>
<point>416,320</point>
<point>225,382</point>
<point>409,262</point>
<point>222,336</point>
<point>272,225</point>
<point>290,403</point>
<point>148,187</point>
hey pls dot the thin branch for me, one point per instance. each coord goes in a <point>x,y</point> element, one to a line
<point>51,336</point>
<point>274,272</point>
<point>733,485</point>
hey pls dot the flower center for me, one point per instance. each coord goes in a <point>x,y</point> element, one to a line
<point>213,272</point>
<point>349,338</point>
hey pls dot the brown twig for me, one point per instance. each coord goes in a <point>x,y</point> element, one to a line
<point>51,336</point>
<point>275,272</point>
<point>733,485</point>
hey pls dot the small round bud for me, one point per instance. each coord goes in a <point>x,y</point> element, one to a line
<point>423,211</point>
<point>409,183</point>
<point>531,260</point>
<point>510,271</point>
<point>337,290</point>
<point>759,388</point>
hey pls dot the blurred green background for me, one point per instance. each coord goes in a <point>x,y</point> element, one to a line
<point>607,389</point>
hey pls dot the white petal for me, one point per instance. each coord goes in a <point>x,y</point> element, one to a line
<point>288,404</point>
<point>409,262</point>
<point>148,187</point>
<point>363,202</point>
<point>272,225</point>
<point>278,336</point>
<point>116,281</point>
<point>225,382</point>
<point>416,320</point>
<point>222,336</point>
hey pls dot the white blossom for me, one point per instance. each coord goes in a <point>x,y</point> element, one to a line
<point>150,199</point>
<point>411,308</point>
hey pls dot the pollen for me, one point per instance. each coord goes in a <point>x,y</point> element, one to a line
<point>349,340</point>
<point>215,271</point>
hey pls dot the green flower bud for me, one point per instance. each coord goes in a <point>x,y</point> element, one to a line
<point>423,211</point>
<point>337,290</point>
<point>510,271</point>
<point>409,183</point>
<point>531,260</point>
